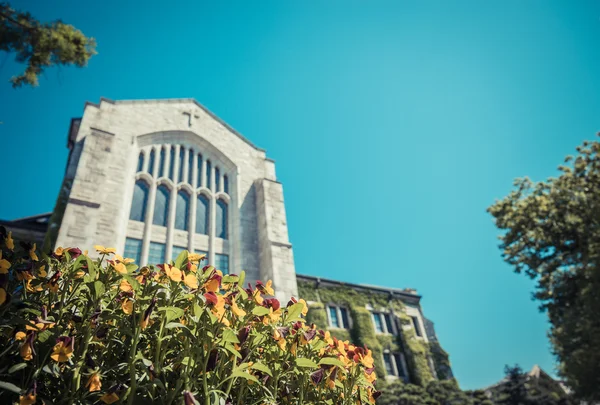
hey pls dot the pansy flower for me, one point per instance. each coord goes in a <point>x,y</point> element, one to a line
<point>4,265</point>
<point>173,273</point>
<point>27,351</point>
<point>63,350</point>
<point>93,383</point>
<point>32,253</point>
<point>265,288</point>
<point>10,243</point>
<point>191,281</point>
<point>104,251</point>
<point>30,397</point>
<point>144,321</point>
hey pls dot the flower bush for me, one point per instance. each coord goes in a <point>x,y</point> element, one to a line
<point>79,330</point>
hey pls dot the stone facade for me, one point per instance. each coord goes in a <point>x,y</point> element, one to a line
<point>96,199</point>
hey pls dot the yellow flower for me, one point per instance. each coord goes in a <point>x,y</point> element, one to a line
<point>42,271</point>
<point>127,306</point>
<point>94,383</point>
<point>79,274</point>
<point>26,351</point>
<point>59,251</point>
<point>237,311</point>
<point>173,273</point>
<point>27,399</point>
<point>305,308</point>
<point>10,244</point>
<point>32,253</point>
<point>125,286</point>
<point>269,290</point>
<point>258,297</point>
<point>4,265</point>
<point>109,398</point>
<point>293,348</point>
<point>195,257</point>
<point>119,267</point>
<point>367,359</point>
<point>63,350</point>
<point>2,295</point>
<point>20,335</point>
<point>32,289</point>
<point>191,281</point>
<point>105,251</point>
<point>123,260</point>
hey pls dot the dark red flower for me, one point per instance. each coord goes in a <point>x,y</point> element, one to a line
<point>211,298</point>
<point>317,376</point>
<point>243,334</point>
<point>309,335</point>
<point>74,252</point>
<point>188,398</point>
<point>292,301</point>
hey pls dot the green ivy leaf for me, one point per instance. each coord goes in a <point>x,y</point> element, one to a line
<point>304,362</point>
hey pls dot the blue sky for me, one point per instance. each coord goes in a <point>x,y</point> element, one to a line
<point>394,125</point>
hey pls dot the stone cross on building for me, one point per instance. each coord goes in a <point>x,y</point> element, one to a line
<point>190,115</point>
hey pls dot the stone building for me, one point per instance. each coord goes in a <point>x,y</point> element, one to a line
<point>155,177</point>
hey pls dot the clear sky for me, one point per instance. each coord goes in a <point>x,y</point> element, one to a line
<point>393,124</point>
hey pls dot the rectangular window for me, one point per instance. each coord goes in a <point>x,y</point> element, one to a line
<point>222,263</point>
<point>415,321</point>
<point>133,249</point>
<point>388,323</point>
<point>338,317</point>
<point>399,357</point>
<point>334,321</point>
<point>345,320</point>
<point>378,322</point>
<point>387,360</point>
<point>176,251</point>
<point>156,255</point>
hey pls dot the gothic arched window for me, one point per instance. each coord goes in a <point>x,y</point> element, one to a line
<point>208,170</point>
<point>190,166</point>
<point>181,161</point>
<point>161,206</point>
<point>202,211</point>
<point>199,166</point>
<point>221,231</point>
<point>172,164</point>
<point>182,210</point>
<point>140,165</point>
<point>139,201</point>
<point>161,167</point>
<point>226,184</point>
<point>151,163</point>
<point>217,179</point>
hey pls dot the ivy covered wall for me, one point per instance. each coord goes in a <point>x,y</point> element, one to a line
<point>419,355</point>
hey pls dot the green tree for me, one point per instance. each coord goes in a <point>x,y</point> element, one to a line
<point>41,45</point>
<point>552,234</point>
<point>479,397</point>
<point>513,390</point>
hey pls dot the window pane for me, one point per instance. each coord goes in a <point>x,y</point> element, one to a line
<point>156,255</point>
<point>208,170</point>
<point>139,201</point>
<point>140,162</point>
<point>151,163</point>
<point>133,249</point>
<point>398,358</point>
<point>345,323</point>
<point>202,215</point>
<point>222,263</point>
<point>181,161</point>
<point>161,167</point>
<point>226,184</point>
<point>387,359</point>
<point>176,251</point>
<point>190,167</point>
<point>161,206</point>
<point>182,210</point>
<point>378,324</point>
<point>217,179</point>
<point>416,325</point>
<point>388,323</point>
<point>333,317</point>
<point>199,166</point>
<point>172,164</point>
<point>221,219</point>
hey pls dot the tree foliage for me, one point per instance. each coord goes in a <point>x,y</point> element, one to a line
<point>552,234</point>
<point>41,45</point>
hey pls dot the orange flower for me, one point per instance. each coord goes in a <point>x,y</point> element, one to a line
<point>109,398</point>
<point>32,253</point>
<point>42,272</point>
<point>125,286</point>
<point>10,244</point>
<point>2,295</point>
<point>305,308</point>
<point>105,251</point>
<point>94,383</point>
<point>191,281</point>
<point>26,350</point>
<point>123,260</point>
<point>20,335</point>
<point>119,267</point>
<point>27,399</point>
<point>4,265</point>
<point>63,350</point>
<point>237,311</point>
<point>214,282</point>
<point>127,306</point>
<point>195,257</point>
<point>173,273</point>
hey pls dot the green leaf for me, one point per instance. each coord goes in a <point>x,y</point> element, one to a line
<point>232,350</point>
<point>260,311</point>
<point>92,271</point>
<point>181,259</point>
<point>243,374</point>
<point>294,312</point>
<point>131,280</point>
<point>171,312</point>
<point>230,336</point>
<point>262,367</point>
<point>332,361</point>
<point>242,278</point>
<point>9,387</point>
<point>17,367</point>
<point>44,335</point>
<point>229,279</point>
<point>304,362</point>
<point>172,325</point>
<point>98,288</point>
<point>131,267</point>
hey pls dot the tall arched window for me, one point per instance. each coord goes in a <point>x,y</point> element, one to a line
<point>182,210</point>
<point>161,206</point>
<point>221,231</point>
<point>226,184</point>
<point>161,167</point>
<point>202,215</point>
<point>140,162</point>
<point>172,164</point>
<point>139,201</point>
<point>217,179</point>
<point>181,161</point>
<point>208,170</point>
<point>151,163</point>
<point>199,166</point>
<point>191,166</point>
